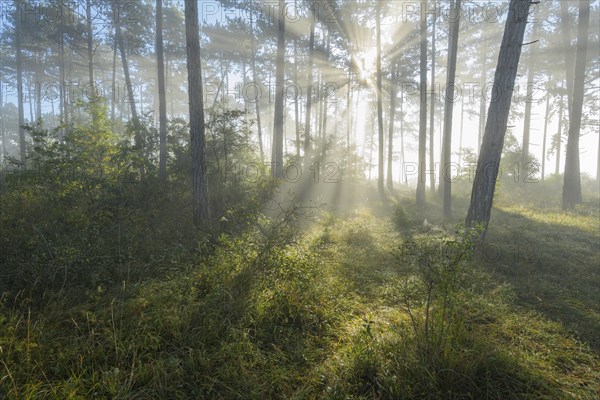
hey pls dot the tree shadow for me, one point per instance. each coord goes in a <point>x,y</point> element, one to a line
<point>552,267</point>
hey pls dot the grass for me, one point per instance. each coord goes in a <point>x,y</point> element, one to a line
<point>320,316</point>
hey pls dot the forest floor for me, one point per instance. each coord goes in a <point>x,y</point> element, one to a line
<point>336,312</point>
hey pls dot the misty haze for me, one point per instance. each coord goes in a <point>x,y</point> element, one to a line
<point>299,199</point>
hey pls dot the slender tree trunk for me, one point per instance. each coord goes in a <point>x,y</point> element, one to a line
<point>528,105</point>
<point>307,138</point>
<point>445,167</point>
<point>572,179</point>
<point>114,80</point>
<point>559,135</point>
<point>402,159</point>
<point>482,101</point>
<point>296,99</point>
<point>201,211</point>
<point>546,116</point>
<point>90,52</point>
<point>256,100</point>
<point>349,105</point>
<point>422,111</point>
<point>277,162</point>
<point>2,132</point>
<point>64,118</point>
<point>460,136</point>
<point>162,100</point>
<point>379,102</point>
<point>121,44</point>
<point>22,144</point>
<point>38,86</point>
<point>390,157</point>
<point>482,194</point>
<point>432,112</point>
<point>568,52</point>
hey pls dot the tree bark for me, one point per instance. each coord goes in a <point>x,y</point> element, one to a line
<point>201,211</point>
<point>482,193</point>
<point>572,179</point>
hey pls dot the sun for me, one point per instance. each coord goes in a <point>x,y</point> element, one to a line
<point>367,63</point>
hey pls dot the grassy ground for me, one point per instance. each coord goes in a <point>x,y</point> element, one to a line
<point>327,315</point>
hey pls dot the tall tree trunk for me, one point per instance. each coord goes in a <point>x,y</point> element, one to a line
<point>90,52</point>
<point>64,118</point>
<point>277,161</point>
<point>379,102</point>
<point>569,52</point>
<point>572,179</point>
<point>445,167</point>
<point>121,44</point>
<point>22,144</point>
<point>460,136</point>
<point>390,157</point>
<point>311,50</point>
<point>546,117</point>
<point>114,80</point>
<point>296,100</point>
<point>2,132</point>
<point>432,112</point>
<point>482,194</point>
<point>38,86</point>
<point>402,159</point>
<point>349,105</point>
<point>482,101</point>
<point>420,195</point>
<point>201,212</point>
<point>162,100</point>
<point>528,105</point>
<point>255,79</point>
<point>559,135</point>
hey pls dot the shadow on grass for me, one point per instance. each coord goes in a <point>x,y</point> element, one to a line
<point>553,268</point>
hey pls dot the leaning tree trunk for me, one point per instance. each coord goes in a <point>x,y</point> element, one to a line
<point>445,170</point>
<point>201,212</point>
<point>379,102</point>
<point>277,161</point>
<point>572,179</point>
<point>162,100</point>
<point>482,194</point>
<point>420,195</point>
